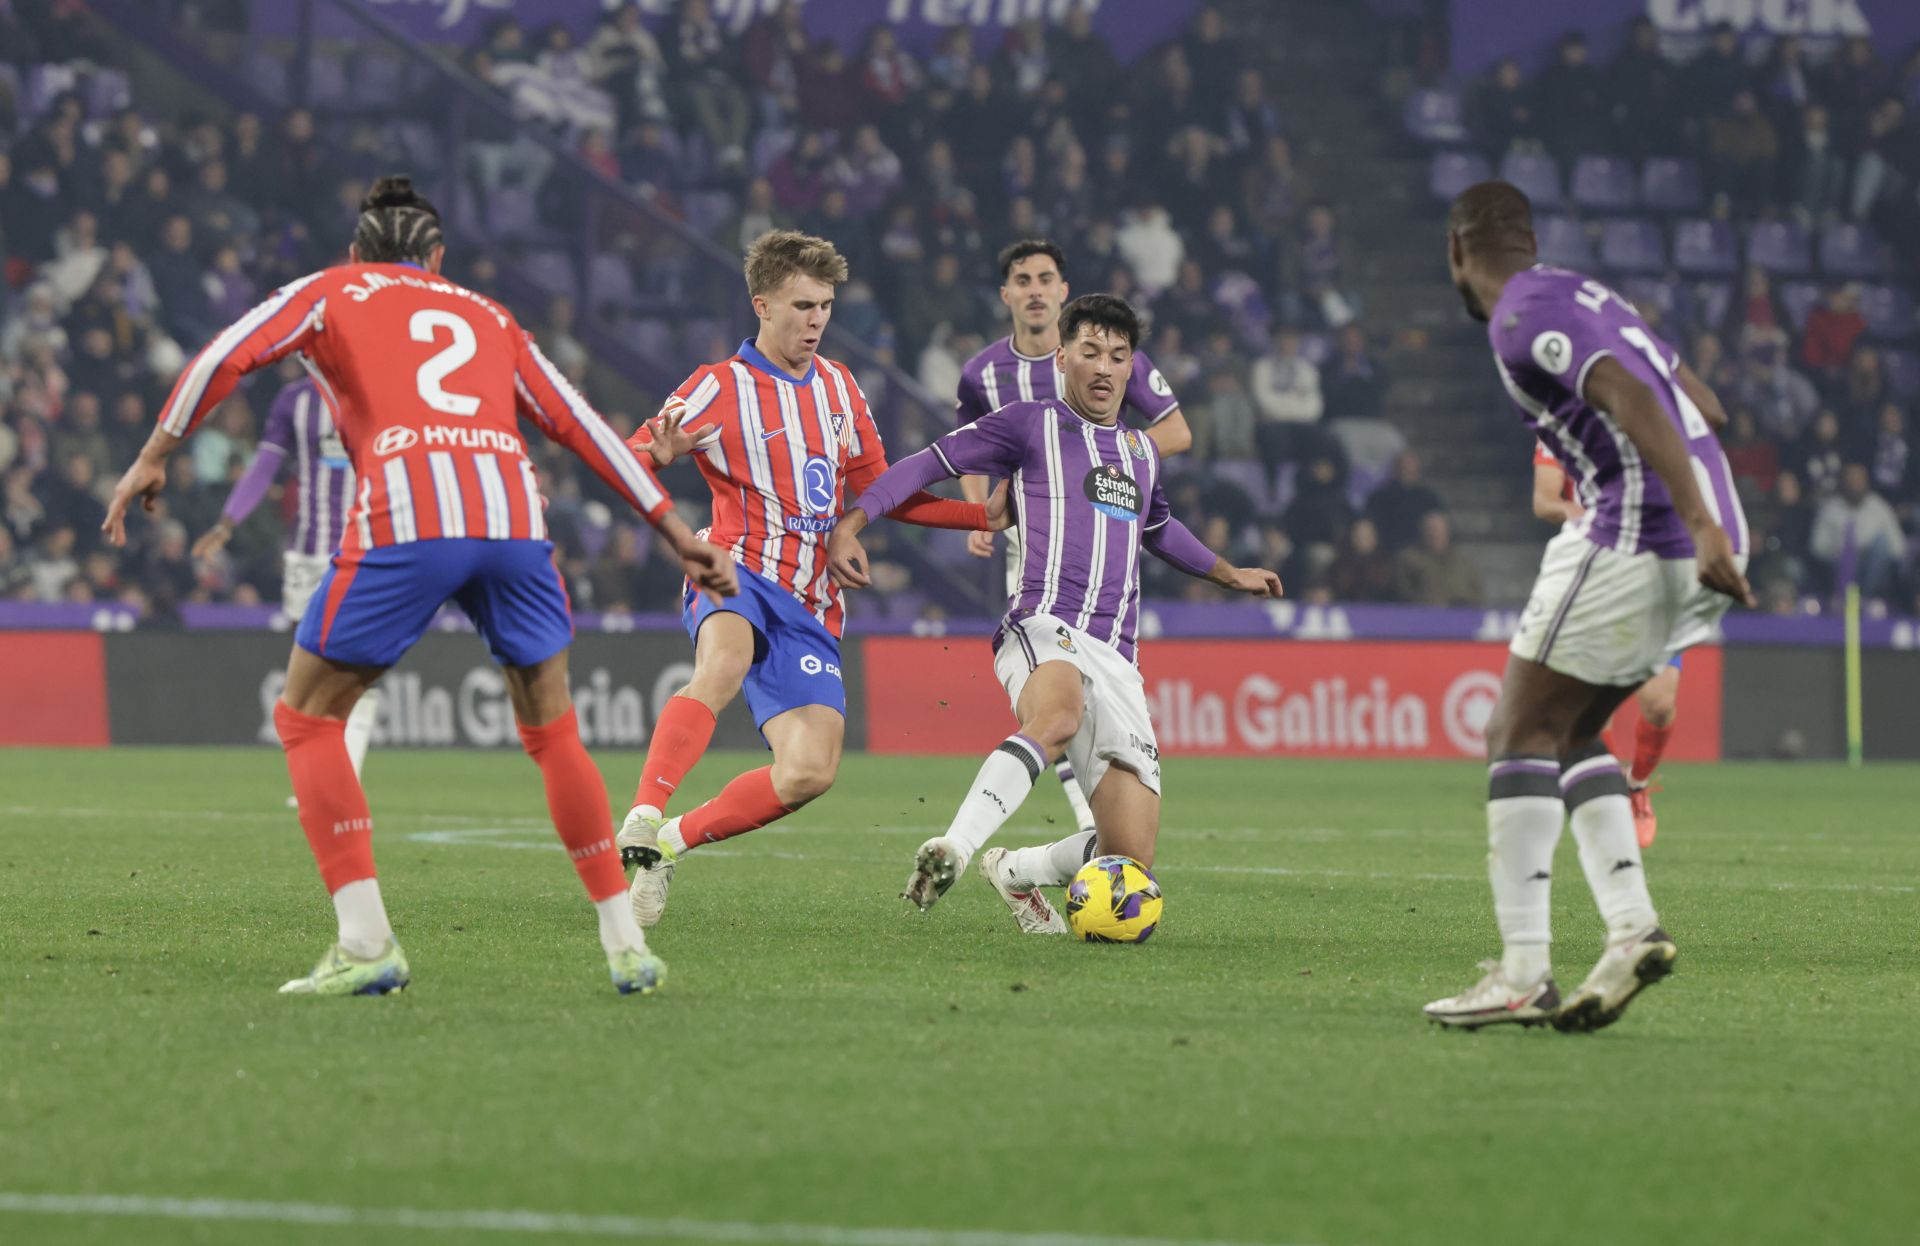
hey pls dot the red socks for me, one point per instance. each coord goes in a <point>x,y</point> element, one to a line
<point>1649,742</point>
<point>743,805</point>
<point>679,738</point>
<point>333,806</point>
<point>577,801</point>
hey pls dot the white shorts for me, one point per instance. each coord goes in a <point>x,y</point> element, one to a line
<point>1614,619</point>
<point>1013,563</point>
<point>300,575</point>
<point>1115,727</point>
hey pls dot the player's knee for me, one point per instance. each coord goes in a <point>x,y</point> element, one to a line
<point>799,780</point>
<point>1659,710</point>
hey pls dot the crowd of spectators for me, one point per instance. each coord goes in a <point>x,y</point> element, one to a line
<point>132,237</point>
<point>1820,436</point>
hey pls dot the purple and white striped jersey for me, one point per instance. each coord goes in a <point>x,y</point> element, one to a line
<point>1000,375</point>
<point>1088,497</point>
<point>1548,330</point>
<point>300,426</point>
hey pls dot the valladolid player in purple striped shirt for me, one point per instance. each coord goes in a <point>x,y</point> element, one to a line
<point>1023,367</point>
<point>1088,501</point>
<point>1646,572</point>
<point>299,427</point>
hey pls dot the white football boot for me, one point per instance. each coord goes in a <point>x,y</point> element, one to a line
<point>1495,1001</point>
<point>1030,907</point>
<point>936,867</point>
<point>639,845</point>
<point>1626,968</point>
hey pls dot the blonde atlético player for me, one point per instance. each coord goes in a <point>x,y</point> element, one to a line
<point>783,436</point>
<point>425,381</point>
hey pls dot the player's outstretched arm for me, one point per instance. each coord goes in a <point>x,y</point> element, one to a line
<point>144,480</point>
<point>1638,412</point>
<point>1174,544</point>
<point>1711,408</point>
<point>247,493</point>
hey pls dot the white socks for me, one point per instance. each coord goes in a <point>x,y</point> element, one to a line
<point>1522,832</point>
<point>366,711</point>
<point>1004,780</point>
<point>364,929</point>
<point>1054,864</point>
<point>617,927</point>
<point>671,840</point>
<point>1610,854</point>
<point>1076,799</point>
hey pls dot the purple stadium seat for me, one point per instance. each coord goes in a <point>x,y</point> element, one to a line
<point>1632,245</point>
<point>1779,247</point>
<point>1316,348</point>
<point>1535,174</point>
<point>1563,242</point>
<point>1849,250</point>
<point>1671,184</point>
<point>1889,311</point>
<point>553,272</point>
<point>1669,298</point>
<point>1903,372</point>
<point>1705,247</point>
<point>1605,183</point>
<point>1434,117</point>
<point>1798,299</point>
<point>1711,302</point>
<point>268,74</point>
<point>512,213</point>
<point>1453,171</point>
<point>1251,477</point>
<point>610,283</point>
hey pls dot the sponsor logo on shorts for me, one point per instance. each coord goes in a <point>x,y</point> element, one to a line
<point>810,664</point>
<point>394,440</point>
<point>1066,639</point>
<point>1113,493</point>
<point>1148,747</point>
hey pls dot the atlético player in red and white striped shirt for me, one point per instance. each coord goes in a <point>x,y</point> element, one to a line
<point>784,438</point>
<point>425,381</point>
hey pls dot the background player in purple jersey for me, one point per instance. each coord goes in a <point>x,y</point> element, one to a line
<point>1023,367</point>
<point>299,427</point>
<point>1088,501</point>
<point>1644,573</point>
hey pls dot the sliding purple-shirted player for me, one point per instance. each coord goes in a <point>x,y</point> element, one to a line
<point>1024,367</point>
<point>300,427</point>
<point>1644,573</point>
<point>1088,501</point>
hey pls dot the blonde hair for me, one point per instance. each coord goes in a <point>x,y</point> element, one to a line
<point>780,254</point>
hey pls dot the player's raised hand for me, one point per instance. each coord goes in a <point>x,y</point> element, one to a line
<point>143,480</point>
<point>1258,581</point>
<point>1713,555</point>
<point>213,540</point>
<point>711,570</point>
<point>980,544</point>
<point>847,558</point>
<point>670,439</point>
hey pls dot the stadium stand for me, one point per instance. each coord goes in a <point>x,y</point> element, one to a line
<point>162,164</point>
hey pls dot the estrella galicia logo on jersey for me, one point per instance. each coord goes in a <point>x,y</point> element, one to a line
<point>1113,493</point>
<point>816,485</point>
<point>394,440</point>
<point>1136,445</point>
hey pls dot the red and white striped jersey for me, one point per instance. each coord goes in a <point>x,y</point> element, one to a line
<point>788,453</point>
<point>425,380</point>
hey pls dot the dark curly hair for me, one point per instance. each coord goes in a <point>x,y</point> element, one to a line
<point>397,224</point>
<point>1102,311</point>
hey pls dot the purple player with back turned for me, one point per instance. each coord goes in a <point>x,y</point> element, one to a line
<point>1088,499</point>
<point>1022,367</point>
<point>300,427</point>
<point>1646,572</point>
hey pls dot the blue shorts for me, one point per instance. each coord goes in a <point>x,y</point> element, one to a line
<point>370,609</point>
<point>1674,662</point>
<point>796,660</point>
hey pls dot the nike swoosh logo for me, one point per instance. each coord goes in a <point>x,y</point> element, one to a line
<point>770,436</point>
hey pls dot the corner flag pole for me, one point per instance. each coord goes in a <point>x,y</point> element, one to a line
<point>1854,726</point>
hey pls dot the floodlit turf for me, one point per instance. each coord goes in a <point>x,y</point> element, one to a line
<point>820,1058</point>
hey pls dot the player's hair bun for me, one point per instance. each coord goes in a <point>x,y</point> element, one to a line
<point>394,191</point>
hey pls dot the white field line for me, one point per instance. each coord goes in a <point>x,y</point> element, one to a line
<point>488,832</point>
<point>634,1228</point>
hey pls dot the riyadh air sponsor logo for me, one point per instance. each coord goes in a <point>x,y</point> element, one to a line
<point>816,485</point>
<point>394,440</point>
<point>816,523</point>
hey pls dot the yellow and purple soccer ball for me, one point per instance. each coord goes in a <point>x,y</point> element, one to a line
<point>1113,900</point>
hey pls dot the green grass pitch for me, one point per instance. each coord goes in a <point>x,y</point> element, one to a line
<point>823,1063</point>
